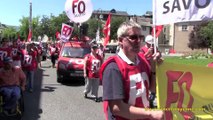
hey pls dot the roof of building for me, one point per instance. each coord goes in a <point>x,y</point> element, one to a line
<point>113,12</point>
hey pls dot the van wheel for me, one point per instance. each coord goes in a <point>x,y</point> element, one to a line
<point>59,80</point>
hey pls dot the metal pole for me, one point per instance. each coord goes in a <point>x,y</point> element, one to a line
<point>154,24</point>
<point>30,17</point>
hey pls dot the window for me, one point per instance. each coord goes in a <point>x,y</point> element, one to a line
<point>184,28</point>
<point>73,52</point>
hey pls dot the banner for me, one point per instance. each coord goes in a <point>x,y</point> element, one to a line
<point>66,32</point>
<point>185,92</point>
<point>172,11</point>
<point>78,11</point>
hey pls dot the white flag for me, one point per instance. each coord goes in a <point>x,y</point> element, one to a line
<point>172,11</point>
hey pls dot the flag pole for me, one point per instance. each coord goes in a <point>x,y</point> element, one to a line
<point>154,25</point>
<point>30,20</point>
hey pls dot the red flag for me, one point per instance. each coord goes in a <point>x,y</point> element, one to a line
<point>19,39</point>
<point>57,34</point>
<point>106,31</point>
<point>158,30</point>
<point>29,36</point>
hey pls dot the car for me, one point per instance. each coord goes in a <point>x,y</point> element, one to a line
<point>71,60</point>
<point>111,48</point>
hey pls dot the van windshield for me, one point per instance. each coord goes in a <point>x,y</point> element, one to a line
<point>73,52</point>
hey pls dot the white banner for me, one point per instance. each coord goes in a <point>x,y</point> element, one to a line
<point>66,32</point>
<point>172,11</point>
<point>78,11</point>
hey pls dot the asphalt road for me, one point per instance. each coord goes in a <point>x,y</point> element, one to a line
<point>54,101</point>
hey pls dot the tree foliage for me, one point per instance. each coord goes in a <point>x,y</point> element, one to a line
<point>196,39</point>
<point>115,23</point>
<point>49,25</point>
<point>9,33</point>
<point>24,27</point>
<point>207,32</point>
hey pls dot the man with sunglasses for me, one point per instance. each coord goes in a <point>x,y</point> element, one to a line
<point>126,79</point>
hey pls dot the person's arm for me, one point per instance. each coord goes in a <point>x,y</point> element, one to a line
<point>119,108</point>
<point>22,79</point>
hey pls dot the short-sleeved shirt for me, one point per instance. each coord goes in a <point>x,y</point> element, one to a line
<point>113,83</point>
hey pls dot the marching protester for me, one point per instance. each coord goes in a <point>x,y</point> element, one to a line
<point>92,63</point>
<point>126,79</point>
<point>53,54</point>
<point>29,64</point>
<point>39,55</point>
<point>101,51</point>
<point>12,78</point>
<point>16,54</point>
<point>151,57</point>
<point>148,49</point>
<point>5,51</point>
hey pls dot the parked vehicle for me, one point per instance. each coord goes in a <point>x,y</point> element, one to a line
<point>71,60</point>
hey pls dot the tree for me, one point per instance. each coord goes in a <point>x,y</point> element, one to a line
<point>207,32</point>
<point>56,23</point>
<point>24,27</point>
<point>196,39</point>
<point>9,33</point>
<point>115,23</point>
<point>93,25</point>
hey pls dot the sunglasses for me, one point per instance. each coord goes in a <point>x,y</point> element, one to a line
<point>135,37</point>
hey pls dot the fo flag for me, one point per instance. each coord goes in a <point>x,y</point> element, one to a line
<point>29,36</point>
<point>106,31</point>
<point>66,32</point>
<point>158,30</point>
<point>172,11</point>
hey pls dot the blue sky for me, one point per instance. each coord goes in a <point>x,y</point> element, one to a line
<point>11,11</point>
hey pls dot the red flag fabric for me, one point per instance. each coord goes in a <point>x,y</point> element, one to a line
<point>29,36</point>
<point>158,30</point>
<point>19,39</point>
<point>57,34</point>
<point>106,31</point>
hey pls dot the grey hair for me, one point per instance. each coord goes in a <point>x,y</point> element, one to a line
<point>125,26</point>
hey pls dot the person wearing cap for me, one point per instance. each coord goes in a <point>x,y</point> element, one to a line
<point>92,63</point>
<point>148,51</point>
<point>12,78</point>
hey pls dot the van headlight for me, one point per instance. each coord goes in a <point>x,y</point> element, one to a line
<point>62,66</point>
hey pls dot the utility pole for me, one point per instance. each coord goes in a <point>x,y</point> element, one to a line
<point>30,22</point>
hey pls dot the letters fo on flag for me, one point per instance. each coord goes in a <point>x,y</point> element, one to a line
<point>172,11</point>
<point>66,32</point>
<point>185,92</point>
<point>106,31</point>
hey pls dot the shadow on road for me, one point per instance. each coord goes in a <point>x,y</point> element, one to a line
<point>32,100</point>
<point>74,83</point>
<point>48,89</point>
